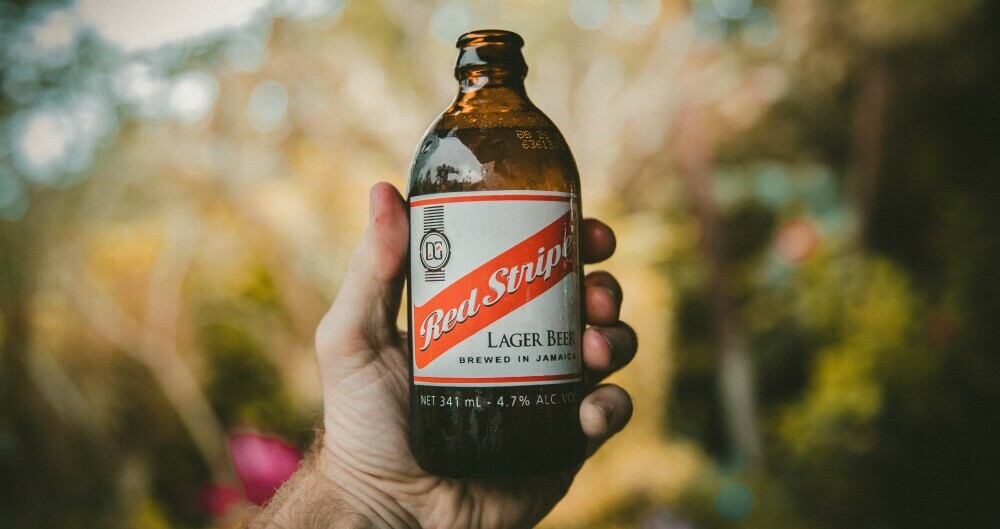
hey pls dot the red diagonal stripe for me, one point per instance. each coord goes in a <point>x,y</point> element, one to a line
<point>452,296</point>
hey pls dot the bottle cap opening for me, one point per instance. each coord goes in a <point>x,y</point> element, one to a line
<point>489,36</point>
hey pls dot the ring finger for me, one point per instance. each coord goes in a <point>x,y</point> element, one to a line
<point>608,349</point>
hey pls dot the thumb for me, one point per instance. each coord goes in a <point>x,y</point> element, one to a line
<point>363,317</point>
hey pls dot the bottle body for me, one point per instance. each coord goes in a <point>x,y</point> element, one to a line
<point>495,287</point>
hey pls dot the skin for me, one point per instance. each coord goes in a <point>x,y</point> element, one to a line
<point>361,472</point>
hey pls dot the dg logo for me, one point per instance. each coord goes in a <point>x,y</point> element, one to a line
<point>435,250</point>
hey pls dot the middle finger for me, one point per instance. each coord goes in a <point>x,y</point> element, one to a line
<point>602,298</point>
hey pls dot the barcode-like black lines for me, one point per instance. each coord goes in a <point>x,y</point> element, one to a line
<point>434,221</point>
<point>434,218</point>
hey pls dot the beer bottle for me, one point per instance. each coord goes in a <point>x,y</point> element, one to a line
<point>495,279</point>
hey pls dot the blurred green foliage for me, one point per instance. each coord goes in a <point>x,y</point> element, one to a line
<point>875,358</point>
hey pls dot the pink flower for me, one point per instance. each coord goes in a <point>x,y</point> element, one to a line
<point>796,241</point>
<point>262,463</point>
<point>217,499</point>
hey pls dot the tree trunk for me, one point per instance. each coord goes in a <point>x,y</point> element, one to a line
<point>735,368</point>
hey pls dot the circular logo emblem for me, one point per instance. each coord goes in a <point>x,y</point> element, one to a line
<point>434,250</point>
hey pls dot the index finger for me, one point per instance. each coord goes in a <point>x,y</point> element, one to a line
<point>597,239</point>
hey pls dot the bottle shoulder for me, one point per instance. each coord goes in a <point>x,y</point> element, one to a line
<point>463,118</point>
<point>491,153</point>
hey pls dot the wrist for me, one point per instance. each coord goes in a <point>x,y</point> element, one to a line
<point>358,495</point>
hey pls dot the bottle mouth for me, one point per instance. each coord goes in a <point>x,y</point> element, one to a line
<point>480,37</point>
<point>490,56</point>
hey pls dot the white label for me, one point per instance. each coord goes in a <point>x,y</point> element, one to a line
<point>494,294</point>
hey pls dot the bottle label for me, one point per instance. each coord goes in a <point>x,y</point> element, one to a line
<point>494,289</point>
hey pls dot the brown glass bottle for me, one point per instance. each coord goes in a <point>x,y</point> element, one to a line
<point>487,180</point>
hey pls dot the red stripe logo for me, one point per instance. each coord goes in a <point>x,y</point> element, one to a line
<point>493,290</point>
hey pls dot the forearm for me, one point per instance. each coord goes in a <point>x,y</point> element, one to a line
<point>310,500</point>
<point>315,497</point>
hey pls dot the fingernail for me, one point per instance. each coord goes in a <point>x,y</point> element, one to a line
<point>611,347</point>
<point>371,205</point>
<point>607,410</point>
<point>611,294</point>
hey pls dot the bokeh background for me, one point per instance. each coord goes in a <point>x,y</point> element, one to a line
<point>804,193</point>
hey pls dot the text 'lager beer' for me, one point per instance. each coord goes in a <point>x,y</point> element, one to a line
<point>495,279</point>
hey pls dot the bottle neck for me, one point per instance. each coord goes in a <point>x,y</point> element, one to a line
<point>491,91</point>
<point>475,79</point>
<point>491,79</point>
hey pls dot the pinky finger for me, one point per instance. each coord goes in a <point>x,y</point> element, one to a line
<point>603,413</point>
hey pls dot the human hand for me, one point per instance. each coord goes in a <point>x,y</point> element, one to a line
<point>363,474</point>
